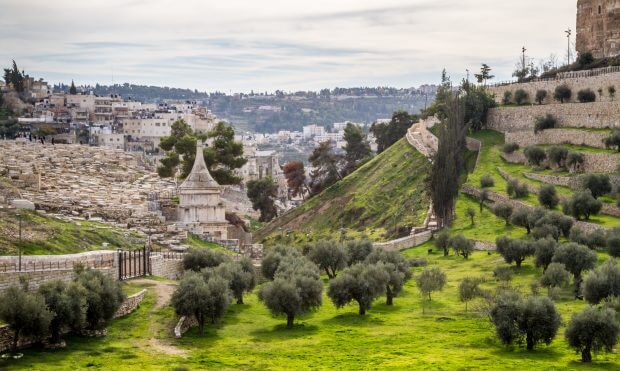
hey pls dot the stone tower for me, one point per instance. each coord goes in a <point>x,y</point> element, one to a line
<point>598,27</point>
<point>201,211</point>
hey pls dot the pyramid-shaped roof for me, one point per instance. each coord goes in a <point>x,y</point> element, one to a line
<point>199,177</point>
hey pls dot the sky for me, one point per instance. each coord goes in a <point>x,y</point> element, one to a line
<point>264,45</point>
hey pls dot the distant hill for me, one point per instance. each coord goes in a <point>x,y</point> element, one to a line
<point>142,93</point>
<point>382,199</point>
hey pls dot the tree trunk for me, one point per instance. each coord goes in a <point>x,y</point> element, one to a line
<point>446,252</point>
<point>55,332</point>
<point>389,296</point>
<point>362,310</point>
<point>290,320</point>
<point>586,356</point>
<point>577,286</point>
<point>329,274</point>
<point>201,324</point>
<point>518,263</point>
<point>240,299</point>
<point>530,341</point>
<point>15,340</point>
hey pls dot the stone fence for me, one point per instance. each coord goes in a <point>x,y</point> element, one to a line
<point>592,162</point>
<point>596,115</point>
<point>594,80</point>
<point>130,304</point>
<point>557,136</point>
<point>405,242</point>
<point>91,259</point>
<point>184,324</point>
<point>37,278</point>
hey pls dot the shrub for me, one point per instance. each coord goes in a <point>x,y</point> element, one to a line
<point>592,330</point>
<point>197,259</point>
<point>535,155</point>
<point>557,156</point>
<point>509,148</point>
<point>611,90</point>
<point>602,283</point>
<point>574,160</point>
<point>329,256</point>
<point>555,276</point>
<point>598,184</point>
<point>582,204</point>
<point>541,95</point>
<point>431,279</point>
<point>586,96</point>
<point>584,59</point>
<point>502,273</point>
<point>469,289</point>
<point>462,246</point>
<point>362,283</point>
<point>507,99</point>
<point>544,249</point>
<point>487,181</point>
<point>521,96</point>
<point>548,196</point>
<point>201,299</point>
<point>576,258</point>
<point>613,140</point>
<point>25,313</point>
<point>514,250</point>
<point>358,250</point>
<point>67,303</point>
<point>104,296</point>
<point>562,93</point>
<point>397,268</point>
<point>296,289</point>
<point>503,210</point>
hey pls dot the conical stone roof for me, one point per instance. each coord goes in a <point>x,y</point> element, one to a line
<point>199,178</point>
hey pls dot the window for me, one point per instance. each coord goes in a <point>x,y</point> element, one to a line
<point>600,9</point>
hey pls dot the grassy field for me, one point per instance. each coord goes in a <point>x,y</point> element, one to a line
<point>385,194</point>
<point>47,235</point>
<point>444,336</point>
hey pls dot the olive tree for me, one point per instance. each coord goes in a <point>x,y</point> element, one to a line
<point>362,283</point>
<point>271,260</point>
<point>503,210</point>
<point>602,283</point>
<point>562,93</point>
<point>544,249</point>
<point>25,313</point>
<point>535,155</point>
<point>469,289</point>
<point>592,330</point>
<point>598,184</point>
<point>462,246</point>
<point>514,250</point>
<point>519,218</point>
<point>197,259</point>
<point>296,289</point>
<point>67,303</point>
<point>104,296</point>
<point>582,205</point>
<point>241,278</point>
<point>442,241</point>
<point>431,279</point>
<point>576,258</point>
<point>329,256</point>
<point>358,250</point>
<point>548,196</point>
<point>554,276</point>
<point>397,268</point>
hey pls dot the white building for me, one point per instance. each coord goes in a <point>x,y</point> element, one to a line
<point>313,130</point>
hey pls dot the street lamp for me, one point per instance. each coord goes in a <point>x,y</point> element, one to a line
<point>568,33</point>
<point>19,246</point>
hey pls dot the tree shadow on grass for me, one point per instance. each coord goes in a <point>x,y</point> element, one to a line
<point>280,332</point>
<point>355,319</point>
<point>541,352</point>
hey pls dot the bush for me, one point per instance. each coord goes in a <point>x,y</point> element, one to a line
<point>431,279</point>
<point>541,95</point>
<point>577,259</point>
<point>592,330</point>
<point>104,296</point>
<point>613,140</point>
<point>329,256</point>
<point>584,59</point>
<point>397,268</point>
<point>535,155</point>
<point>502,273</point>
<point>582,205</point>
<point>25,313</point>
<point>197,259</point>
<point>509,148</point>
<point>296,289</point>
<point>562,93</point>
<point>507,99</point>
<point>67,303</point>
<point>598,184</point>
<point>611,90</point>
<point>557,156</point>
<point>503,210</point>
<point>521,97</point>
<point>586,96</point>
<point>487,181</point>
<point>362,283</point>
<point>574,160</point>
<point>358,250</point>
<point>462,246</point>
<point>548,196</point>
<point>514,250</point>
<point>602,283</point>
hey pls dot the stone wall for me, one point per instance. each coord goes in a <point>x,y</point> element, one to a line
<point>184,324</point>
<point>37,278</point>
<point>565,181</point>
<point>90,259</point>
<point>168,268</point>
<point>592,162</point>
<point>581,81</point>
<point>557,136</point>
<point>130,304</point>
<point>405,242</point>
<point>596,115</point>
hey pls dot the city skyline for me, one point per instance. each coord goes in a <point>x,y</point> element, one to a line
<point>269,45</point>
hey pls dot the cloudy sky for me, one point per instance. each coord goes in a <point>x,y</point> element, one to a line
<point>240,45</point>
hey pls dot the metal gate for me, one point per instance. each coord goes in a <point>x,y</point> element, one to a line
<point>133,264</point>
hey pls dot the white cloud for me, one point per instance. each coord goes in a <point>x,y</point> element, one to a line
<point>238,45</point>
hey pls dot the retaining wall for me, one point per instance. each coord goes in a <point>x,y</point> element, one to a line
<point>592,162</point>
<point>37,278</point>
<point>557,136</point>
<point>405,242</point>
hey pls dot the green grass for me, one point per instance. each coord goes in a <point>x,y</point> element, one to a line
<point>48,235</point>
<point>398,337</point>
<point>195,242</point>
<point>387,192</point>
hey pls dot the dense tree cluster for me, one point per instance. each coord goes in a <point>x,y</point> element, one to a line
<point>387,134</point>
<point>263,193</point>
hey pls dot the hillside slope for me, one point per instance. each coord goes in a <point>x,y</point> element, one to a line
<point>385,195</point>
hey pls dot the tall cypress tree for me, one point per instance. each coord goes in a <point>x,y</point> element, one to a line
<point>72,89</point>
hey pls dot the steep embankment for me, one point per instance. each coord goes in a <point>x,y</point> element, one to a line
<point>385,195</point>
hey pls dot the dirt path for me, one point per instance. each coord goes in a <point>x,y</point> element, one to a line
<point>163,292</point>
